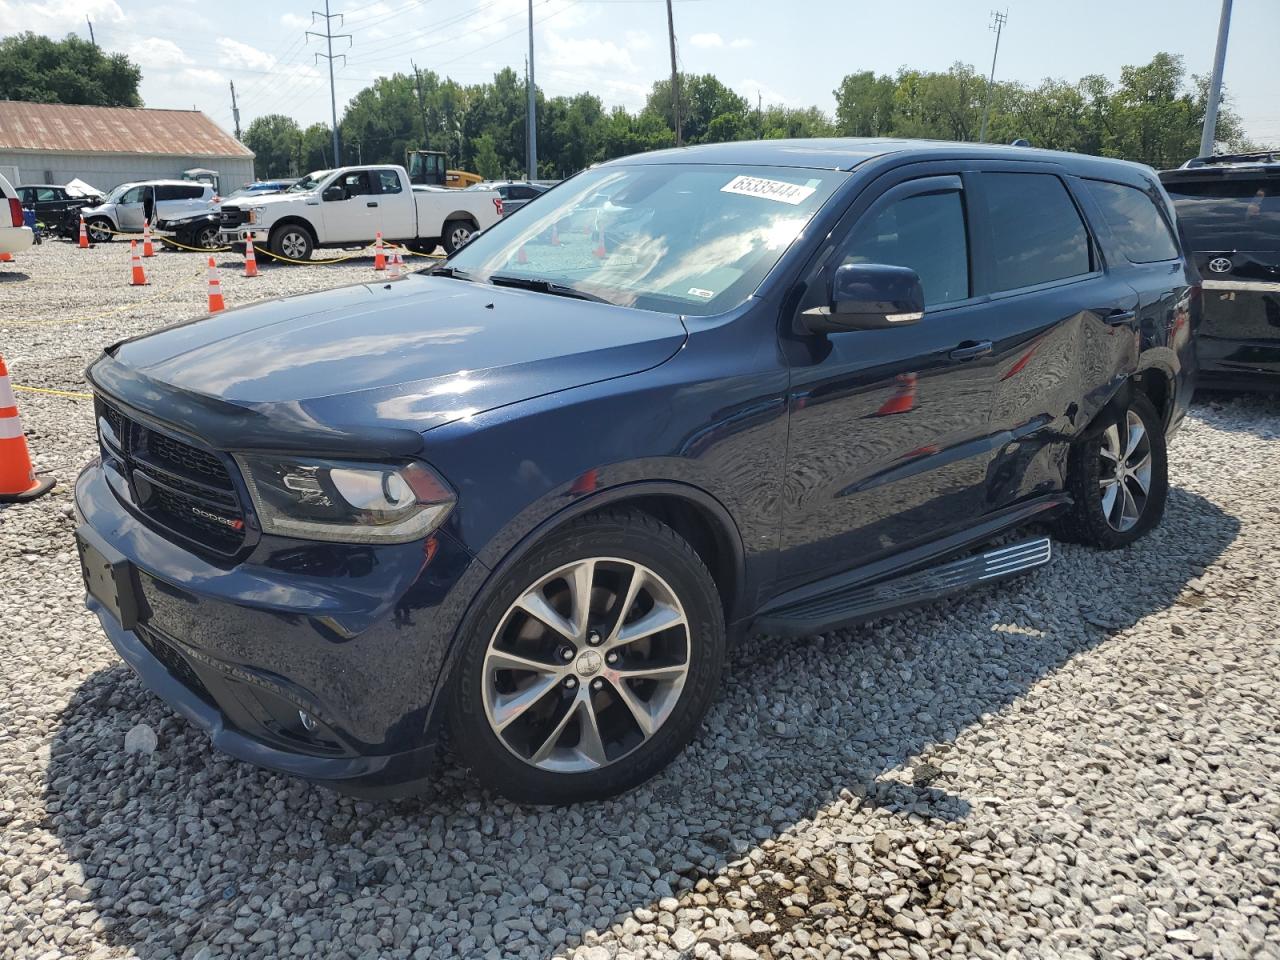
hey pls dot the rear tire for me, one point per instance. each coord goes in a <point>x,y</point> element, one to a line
<point>614,693</point>
<point>1118,476</point>
<point>457,234</point>
<point>292,242</point>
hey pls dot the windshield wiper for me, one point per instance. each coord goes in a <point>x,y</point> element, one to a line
<point>544,286</point>
<point>452,273</point>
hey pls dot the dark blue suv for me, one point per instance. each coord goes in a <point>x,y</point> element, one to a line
<point>533,493</point>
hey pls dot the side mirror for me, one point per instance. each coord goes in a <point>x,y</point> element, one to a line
<point>335,192</point>
<point>869,296</point>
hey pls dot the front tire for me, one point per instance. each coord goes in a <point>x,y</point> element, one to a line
<point>1118,476</point>
<point>292,242</point>
<point>100,230</point>
<point>591,662</point>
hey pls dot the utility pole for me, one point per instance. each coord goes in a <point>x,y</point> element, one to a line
<point>533,107</point>
<point>235,110</point>
<point>1208,134</point>
<point>329,36</point>
<point>92,38</point>
<point>998,20</point>
<point>422,107</point>
<point>675,74</point>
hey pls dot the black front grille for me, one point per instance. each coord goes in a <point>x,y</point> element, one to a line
<point>232,217</point>
<point>173,661</point>
<point>183,489</point>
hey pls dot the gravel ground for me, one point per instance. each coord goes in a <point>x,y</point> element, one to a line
<point>1084,762</point>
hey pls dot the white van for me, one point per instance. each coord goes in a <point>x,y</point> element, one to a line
<point>14,234</point>
<point>125,207</point>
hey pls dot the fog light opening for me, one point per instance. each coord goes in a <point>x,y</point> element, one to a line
<point>308,722</point>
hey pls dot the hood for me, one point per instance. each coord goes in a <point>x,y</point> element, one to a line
<point>370,368</point>
<point>266,199</point>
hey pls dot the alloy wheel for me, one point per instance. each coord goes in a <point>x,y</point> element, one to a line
<point>98,232</point>
<point>1125,472</point>
<point>586,665</point>
<point>293,245</point>
<point>459,237</point>
<point>207,238</point>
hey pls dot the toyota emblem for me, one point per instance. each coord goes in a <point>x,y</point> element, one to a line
<point>1220,265</point>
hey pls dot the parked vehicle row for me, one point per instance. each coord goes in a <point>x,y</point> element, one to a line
<point>533,494</point>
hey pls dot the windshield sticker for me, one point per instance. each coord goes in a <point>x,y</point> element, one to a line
<point>778,190</point>
<point>699,292</point>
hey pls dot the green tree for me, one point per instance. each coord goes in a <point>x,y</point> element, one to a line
<point>274,140</point>
<point>44,70</point>
<point>315,150</point>
<point>486,156</point>
<point>864,105</point>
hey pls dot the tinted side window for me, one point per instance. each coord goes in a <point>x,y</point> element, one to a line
<point>1229,214</point>
<point>48,193</point>
<point>926,233</point>
<point>26,195</point>
<point>133,195</point>
<point>191,193</point>
<point>165,191</point>
<point>1139,229</point>
<point>357,183</point>
<point>1036,232</point>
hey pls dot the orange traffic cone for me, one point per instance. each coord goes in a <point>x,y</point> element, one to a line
<point>6,258</point>
<point>84,235</point>
<point>215,289</point>
<point>379,258</point>
<point>903,399</point>
<point>250,258</point>
<point>18,481</point>
<point>147,249</point>
<point>139,277</point>
<point>394,273</point>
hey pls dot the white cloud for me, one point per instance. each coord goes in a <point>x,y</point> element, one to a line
<point>741,43</point>
<point>638,40</point>
<point>586,52</point>
<point>237,54</point>
<point>706,40</point>
<point>56,17</point>
<point>294,21</point>
<point>200,77</point>
<point>156,53</point>
<point>751,88</point>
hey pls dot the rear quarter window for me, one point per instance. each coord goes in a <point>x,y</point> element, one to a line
<point>1229,214</point>
<point>1037,235</point>
<point>1142,234</point>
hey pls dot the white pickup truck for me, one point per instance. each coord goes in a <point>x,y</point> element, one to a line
<point>348,206</point>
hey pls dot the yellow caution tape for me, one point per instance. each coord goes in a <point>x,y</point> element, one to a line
<point>57,393</point>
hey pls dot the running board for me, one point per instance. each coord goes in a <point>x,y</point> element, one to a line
<point>932,583</point>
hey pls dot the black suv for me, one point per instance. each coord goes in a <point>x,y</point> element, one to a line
<point>535,492</point>
<point>1229,216</point>
<point>53,204</point>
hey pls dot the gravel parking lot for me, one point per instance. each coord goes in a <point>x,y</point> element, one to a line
<point>1084,762</point>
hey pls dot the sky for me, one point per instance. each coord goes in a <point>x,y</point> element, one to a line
<point>794,54</point>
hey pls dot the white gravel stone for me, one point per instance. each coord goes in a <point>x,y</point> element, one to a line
<point>1079,763</point>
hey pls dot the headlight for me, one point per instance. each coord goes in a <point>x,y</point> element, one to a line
<point>253,216</point>
<point>349,502</point>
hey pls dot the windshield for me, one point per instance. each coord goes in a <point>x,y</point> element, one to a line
<point>309,182</point>
<point>684,238</point>
<point>116,193</point>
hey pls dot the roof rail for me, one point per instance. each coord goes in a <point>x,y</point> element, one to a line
<point>1258,156</point>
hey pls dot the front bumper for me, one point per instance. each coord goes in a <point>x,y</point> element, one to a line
<point>16,239</point>
<point>354,637</point>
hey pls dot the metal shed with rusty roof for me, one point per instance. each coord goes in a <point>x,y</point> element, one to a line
<point>105,146</point>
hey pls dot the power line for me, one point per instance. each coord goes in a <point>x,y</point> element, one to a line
<point>329,36</point>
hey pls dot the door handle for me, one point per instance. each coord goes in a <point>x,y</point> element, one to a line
<point>971,350</point>
<point>372,203</point>
<point>1118,318</point>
